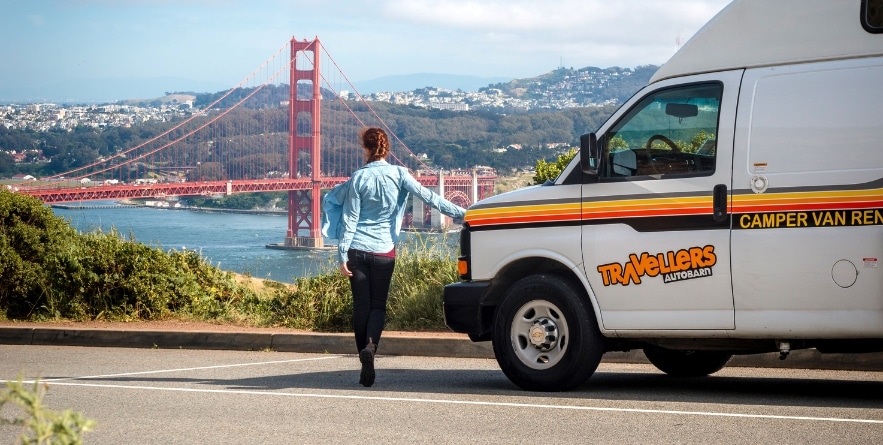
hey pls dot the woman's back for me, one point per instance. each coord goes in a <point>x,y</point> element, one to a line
<point>378,187</point>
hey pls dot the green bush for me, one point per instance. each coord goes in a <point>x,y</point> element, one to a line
<point>49,271</point>
<point>546,171</point>
<point>30,235</point>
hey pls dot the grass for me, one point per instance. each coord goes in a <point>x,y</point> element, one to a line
<point>324,302</point>
<point>516,181</point>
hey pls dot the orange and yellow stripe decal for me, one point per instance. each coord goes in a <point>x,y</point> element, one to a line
<point>589,210</point>
<point>640,208</point>
<point>524,214</point>
<point>808,201</point>
<point>595,211</point>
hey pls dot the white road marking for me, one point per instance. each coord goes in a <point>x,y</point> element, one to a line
<point>479,403</point>
<point>159,371</point>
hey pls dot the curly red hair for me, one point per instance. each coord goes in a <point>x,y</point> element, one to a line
<point>376,142</point>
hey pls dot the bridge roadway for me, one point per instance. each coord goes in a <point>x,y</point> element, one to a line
<point>85,192</point>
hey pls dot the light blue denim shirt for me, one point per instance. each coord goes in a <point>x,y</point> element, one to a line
<point>372,205</point>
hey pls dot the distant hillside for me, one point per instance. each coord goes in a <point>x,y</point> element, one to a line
<point>560,89</point>
<point>581,86</point>
<point>409,82</point>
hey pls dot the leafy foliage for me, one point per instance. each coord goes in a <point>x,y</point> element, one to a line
<point>48,270</point>
<point>548,171</point>
<point>29,235</point>
<point>39,424</point>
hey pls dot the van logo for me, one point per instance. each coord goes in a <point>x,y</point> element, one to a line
<point>684,264</point>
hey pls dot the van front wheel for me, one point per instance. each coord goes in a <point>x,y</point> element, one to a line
<point>686,363</point>
<point>545,335</point>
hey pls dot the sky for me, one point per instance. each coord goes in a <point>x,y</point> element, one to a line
<point>74,47</point>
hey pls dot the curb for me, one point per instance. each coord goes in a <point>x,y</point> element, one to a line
<point>412,345</point>
<point>330,343</point>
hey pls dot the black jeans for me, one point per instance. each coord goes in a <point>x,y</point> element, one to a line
<point>372,275</point>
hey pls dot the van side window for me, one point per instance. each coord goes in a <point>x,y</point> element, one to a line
<point>872,16</point>
<point>670,133</point>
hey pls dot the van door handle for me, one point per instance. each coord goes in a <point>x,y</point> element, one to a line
<point>720,203</point>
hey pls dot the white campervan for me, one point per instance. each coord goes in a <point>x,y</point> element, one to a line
<point>732,206</point>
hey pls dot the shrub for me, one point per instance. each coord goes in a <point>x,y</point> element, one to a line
<point>546,171</point>
<point>30,234</point>
<point>48,270</point>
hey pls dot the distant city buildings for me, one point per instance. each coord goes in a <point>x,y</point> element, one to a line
<point>578,88</point>
<point>45,117</point>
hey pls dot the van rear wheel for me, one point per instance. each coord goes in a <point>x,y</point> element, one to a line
<point>545,335</point>
<point>686,363</point>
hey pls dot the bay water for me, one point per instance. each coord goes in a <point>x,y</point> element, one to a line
<point>234,242</point>
<point>231,241</point>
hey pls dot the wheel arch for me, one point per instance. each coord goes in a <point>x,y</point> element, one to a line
<point>523,267</point>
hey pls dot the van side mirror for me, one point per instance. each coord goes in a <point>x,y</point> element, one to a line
<point>588,153</point>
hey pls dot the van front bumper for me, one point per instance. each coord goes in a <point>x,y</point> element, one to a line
<point>464,308</point>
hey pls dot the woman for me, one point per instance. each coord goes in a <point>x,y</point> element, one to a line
<point>373,203</point>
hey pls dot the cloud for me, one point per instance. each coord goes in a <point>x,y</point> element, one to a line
<point>599,32</point>
<point>531,16</point>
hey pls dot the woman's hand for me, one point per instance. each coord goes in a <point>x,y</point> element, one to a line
<point>345,270</point>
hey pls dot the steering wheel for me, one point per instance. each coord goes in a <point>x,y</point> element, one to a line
<point>651,162</point>
<point>659,137</point>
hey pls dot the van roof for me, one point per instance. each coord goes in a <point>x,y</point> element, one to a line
<point>753,33</point>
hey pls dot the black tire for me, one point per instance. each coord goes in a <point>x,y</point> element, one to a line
<point>569,352</point>
<point>687,363</point>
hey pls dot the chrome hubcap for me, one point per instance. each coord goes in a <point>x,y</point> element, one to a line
<point>539,334</point>
<point>543,334</point>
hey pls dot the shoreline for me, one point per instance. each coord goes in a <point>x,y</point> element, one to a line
<point>125,203</point>
<point>132,203</point>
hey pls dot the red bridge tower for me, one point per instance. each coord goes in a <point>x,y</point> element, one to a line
<point>303,205</point>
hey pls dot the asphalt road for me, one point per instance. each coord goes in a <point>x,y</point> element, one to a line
<point>162,396</point>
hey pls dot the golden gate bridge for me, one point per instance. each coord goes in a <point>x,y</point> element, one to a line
<point>264,135</point>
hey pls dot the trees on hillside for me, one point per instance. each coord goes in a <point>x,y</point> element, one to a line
<point>449,139</point>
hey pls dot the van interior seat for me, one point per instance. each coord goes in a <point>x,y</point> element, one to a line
<point>708,147</point>
<point>625,162</point>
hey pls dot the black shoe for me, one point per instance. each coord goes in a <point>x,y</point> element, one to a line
<point>366,356</point>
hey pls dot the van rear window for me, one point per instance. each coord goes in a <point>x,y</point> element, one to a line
<point>872,16</point>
